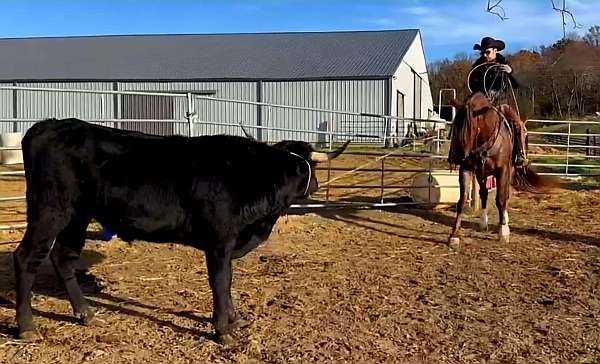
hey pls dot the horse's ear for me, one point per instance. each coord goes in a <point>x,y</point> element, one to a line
<point>455,103</point>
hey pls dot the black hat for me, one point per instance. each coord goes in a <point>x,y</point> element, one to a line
<point>489,42</point>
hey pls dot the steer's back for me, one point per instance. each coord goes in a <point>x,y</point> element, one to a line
<point>144,186</point>
<point>128,181</point>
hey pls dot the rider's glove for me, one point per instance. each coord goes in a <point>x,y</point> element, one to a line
<point>505,68</point>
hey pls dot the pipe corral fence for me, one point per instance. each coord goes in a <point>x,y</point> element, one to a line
<point>386,154</point>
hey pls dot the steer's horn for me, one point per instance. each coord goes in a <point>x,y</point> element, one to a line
<point>248,135</point>
<point>326,156</point>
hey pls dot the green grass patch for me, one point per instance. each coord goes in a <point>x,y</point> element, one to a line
<point>564,128</point>
<point>586,167</point>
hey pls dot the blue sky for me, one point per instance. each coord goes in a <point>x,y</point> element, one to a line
<point>448,26</point>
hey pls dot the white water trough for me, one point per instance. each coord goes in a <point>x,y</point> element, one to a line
<point>444,188</point>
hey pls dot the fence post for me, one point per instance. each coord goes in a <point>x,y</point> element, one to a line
<point>330,134</point>
<point>382,178</point>
<point>568,147</point>
<point>385,131</point>
<point>587,143</point>
<point>15,108</point>
<point>189,114</point>
<point>328,179</point>
<point>429,181</point>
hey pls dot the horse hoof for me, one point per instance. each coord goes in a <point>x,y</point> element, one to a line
<point>504,239</point>
<point>483,228</point>
<point>225,340</point>
<point>30,335</point>
<point>454,243</point>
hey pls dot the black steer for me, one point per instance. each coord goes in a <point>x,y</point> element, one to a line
<point>221,194</point>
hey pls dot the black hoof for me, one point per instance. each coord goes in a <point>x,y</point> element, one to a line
<point>30,335</point>
<point>86,318</point>
<point>225,340</point>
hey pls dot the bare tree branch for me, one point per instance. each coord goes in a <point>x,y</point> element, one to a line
<point>564,12</point>
<point>496,9</point>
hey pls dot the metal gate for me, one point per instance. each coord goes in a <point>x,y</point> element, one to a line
<point>367,175</point>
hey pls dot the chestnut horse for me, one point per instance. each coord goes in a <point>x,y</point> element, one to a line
<point>484,140</point>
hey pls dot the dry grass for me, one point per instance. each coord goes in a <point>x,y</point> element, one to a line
<point>341,286</point>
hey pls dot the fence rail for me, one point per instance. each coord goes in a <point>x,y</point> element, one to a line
<point>566,151</point>
<point>329,127</point>
<point>571,149</point>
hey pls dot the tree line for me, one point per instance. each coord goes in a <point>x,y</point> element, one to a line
<point>559,81</point>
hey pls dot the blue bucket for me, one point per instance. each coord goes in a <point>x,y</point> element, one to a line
<point>106,234</point>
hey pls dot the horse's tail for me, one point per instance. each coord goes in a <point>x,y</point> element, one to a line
<point>525,179</point>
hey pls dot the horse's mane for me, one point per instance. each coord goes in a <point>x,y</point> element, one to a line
<point>459,130</point>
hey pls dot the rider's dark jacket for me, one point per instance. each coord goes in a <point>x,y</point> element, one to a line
<point>485,78</point>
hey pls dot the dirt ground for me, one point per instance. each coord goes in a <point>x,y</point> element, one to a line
<point>337,286</point>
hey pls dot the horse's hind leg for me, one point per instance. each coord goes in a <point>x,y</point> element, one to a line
<point>502,195</point>
<point>65,254</point>
<point>464,178</point>
<point>38,241</point>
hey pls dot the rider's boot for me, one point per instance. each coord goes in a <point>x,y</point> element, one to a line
<point>520,147</point>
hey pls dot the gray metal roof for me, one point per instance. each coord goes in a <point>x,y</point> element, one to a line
<point>312,55</point>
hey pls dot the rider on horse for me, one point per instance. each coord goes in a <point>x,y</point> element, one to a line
<point>492,76</point>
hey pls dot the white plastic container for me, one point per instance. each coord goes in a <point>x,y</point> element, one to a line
<point>438,188</point>
<point>11,140</point>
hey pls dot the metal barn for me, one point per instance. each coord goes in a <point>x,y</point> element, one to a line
<point>363,74</point>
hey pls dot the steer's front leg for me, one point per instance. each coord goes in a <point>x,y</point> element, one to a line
<point>218,261</point>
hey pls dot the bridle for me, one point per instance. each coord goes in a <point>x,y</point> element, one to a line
<point>490,143</point>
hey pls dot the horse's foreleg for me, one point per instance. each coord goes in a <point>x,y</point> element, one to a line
<point>464,178</point>
<point>483,195</point>
<point>502,195</point>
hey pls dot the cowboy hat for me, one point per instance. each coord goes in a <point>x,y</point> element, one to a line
<point>489,42</point>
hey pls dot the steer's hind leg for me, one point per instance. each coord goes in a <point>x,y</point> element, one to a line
<point>39,239</point>
<point>65,254</point>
